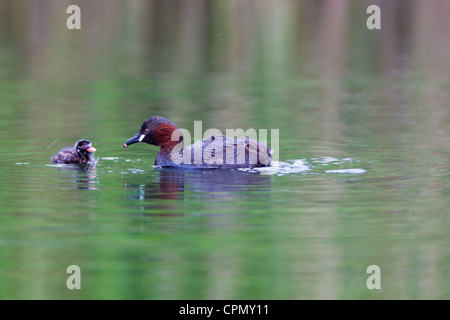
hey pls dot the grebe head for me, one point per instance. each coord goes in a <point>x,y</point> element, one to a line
<point>157,131</point>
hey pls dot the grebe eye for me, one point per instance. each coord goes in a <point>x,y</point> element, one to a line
<point>146,131</point>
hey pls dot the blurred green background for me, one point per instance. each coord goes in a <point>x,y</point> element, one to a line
<point>343,97</point>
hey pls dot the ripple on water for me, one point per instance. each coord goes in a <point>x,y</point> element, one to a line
<point>302,166</point>
<point>352,171</point>
<point>110,158</point>
<point>281,168</point>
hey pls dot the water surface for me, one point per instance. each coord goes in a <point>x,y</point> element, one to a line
<point>362,176</point>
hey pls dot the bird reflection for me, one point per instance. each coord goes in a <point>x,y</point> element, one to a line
<point>83,176</point>
<point>164,194</point>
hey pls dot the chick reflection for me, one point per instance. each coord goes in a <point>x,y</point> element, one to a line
<point>82,176</point>
<point>174,185</point>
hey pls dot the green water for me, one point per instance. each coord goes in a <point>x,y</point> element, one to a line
<point>364,161</point>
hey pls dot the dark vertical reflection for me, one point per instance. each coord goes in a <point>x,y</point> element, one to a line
<point>213,186</point>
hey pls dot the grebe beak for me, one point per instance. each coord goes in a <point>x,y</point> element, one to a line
<point>137,138</point>
<point>91,149</point>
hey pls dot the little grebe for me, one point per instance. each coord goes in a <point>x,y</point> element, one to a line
<point>236,152</point>
<point>82,153</point>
